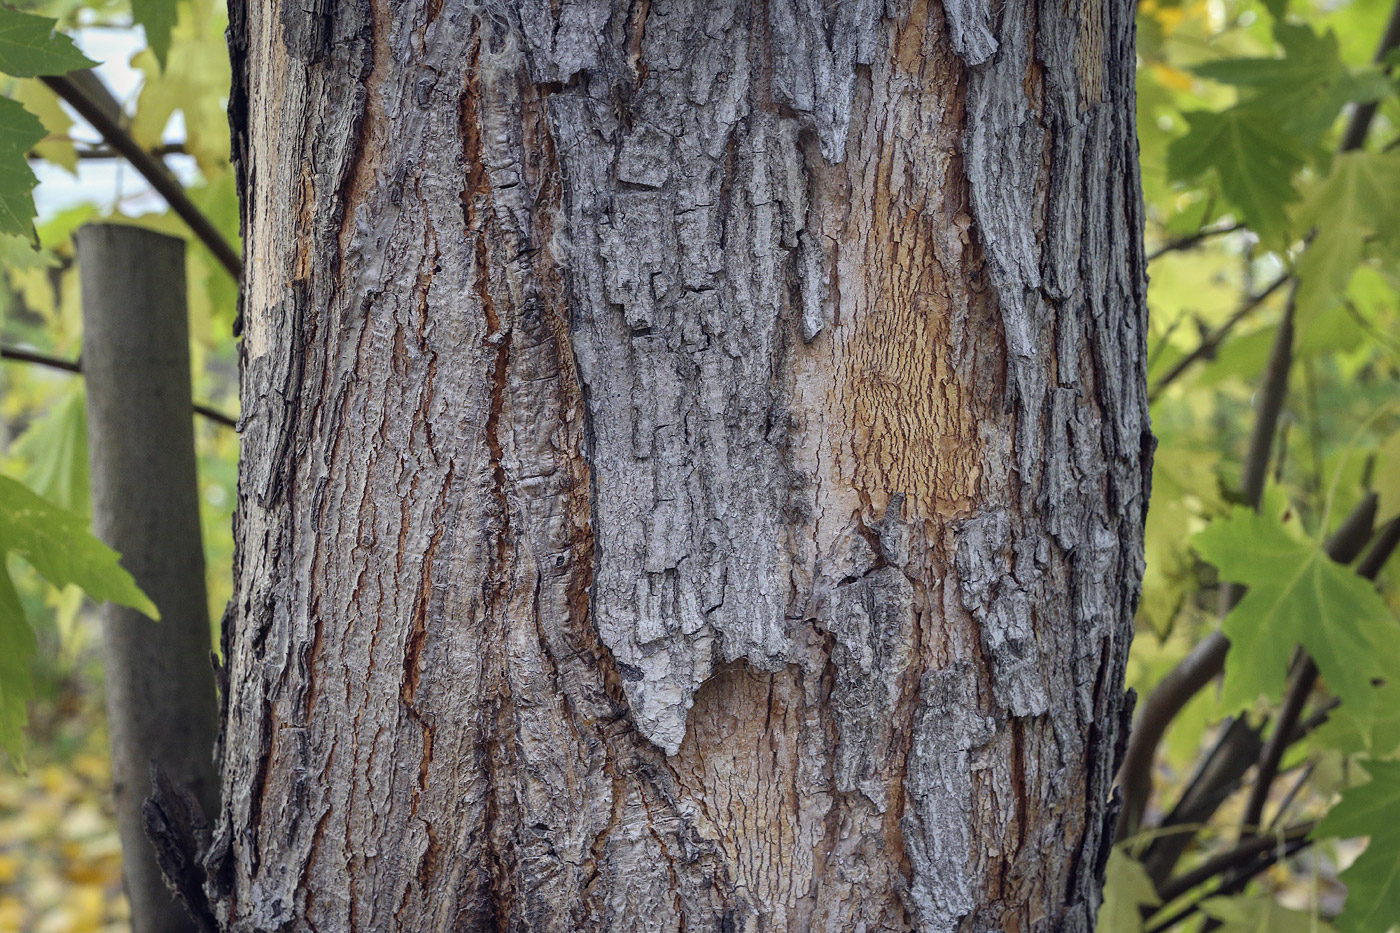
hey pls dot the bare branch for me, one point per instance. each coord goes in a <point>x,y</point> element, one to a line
<point>1187,242</point>
<point>99,113</point>
<point>76,366</point>
<point>1244,852</point>
<point>1212,341</point>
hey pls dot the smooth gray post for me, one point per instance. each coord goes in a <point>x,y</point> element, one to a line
<point>160,687</point>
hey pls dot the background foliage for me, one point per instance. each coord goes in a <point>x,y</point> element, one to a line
<point>1270,140</point>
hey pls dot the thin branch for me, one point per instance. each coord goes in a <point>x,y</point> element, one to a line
<point>151,168</point>
<point>1299,689</point>
<point>1212,341</point>
<point>1245,852</point>
<point>1318,718</point>
<point>1262,862</point>
<point>99,152</point>
<point>1291,795</point>
<point>76,366</point>
<point>1219,774</point>
<point>1205,661</point>
<point>1187,242</point>
<point>1384,546</point>
<point>40,359</point>
<point>1272,395</point>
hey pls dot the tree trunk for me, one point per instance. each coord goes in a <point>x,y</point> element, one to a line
<point>145,503</point>
<point>695,456</point>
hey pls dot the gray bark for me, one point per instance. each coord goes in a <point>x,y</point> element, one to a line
<point>695,457</point>
<point>160,686</point>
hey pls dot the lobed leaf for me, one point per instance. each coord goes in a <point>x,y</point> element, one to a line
<point>157,18</point>
<point>1297,596</point>
<point>30,47</point>
<point>56,543</point>
<point>1251,155</point>
<point>19,131</point>
<point>1373,880</point>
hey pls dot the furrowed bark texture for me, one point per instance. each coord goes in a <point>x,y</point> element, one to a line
<point>694,465</point>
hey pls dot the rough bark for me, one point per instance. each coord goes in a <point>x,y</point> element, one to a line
<point>159,683</point>
<point>695,457</point>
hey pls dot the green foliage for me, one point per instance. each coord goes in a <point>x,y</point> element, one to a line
<point>157,18</point>
<point>19,131</point>
<point>29,47</point>
<point>1357,202</point>
<point>1297,596</point>
<point>1373,880</point>
<point>56,544</point>
<point>1243,107</point>
<point>1127,889</point>
<point>1251,155</point>
<point>1259,915</point>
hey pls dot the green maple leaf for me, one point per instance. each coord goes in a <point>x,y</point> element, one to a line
<point>1127,889</point>
<point>1251,154</point>
<point>1359,199</point>
<point>29,47</point>
<point>1373,880</point>
<point>157,18</point>
<point>19,131</point>
<point>1305,88</point>
<point>56,543</point>
<point>1308,60</point>
<point>1297,596</point>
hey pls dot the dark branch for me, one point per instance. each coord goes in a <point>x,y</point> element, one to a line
<point>1300,687</point>
<point>106,152</point>
<point>1212,341</point>
<point>1187,242</point>
<point>1245,852</point>
<point>76,366</point>
<point>1241,877</point>
<point>99,114</point>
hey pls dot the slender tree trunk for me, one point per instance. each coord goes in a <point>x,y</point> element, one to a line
<point>145,498</point>
<point>695,456</point>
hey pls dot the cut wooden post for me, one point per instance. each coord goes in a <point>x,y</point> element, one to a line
<point>160,687</point>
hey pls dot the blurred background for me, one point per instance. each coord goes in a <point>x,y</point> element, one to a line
<point>1272,184</point>
<point>60,859</point>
